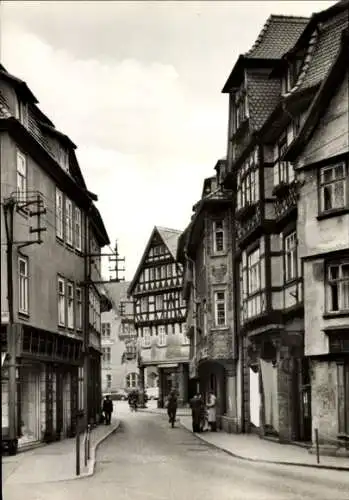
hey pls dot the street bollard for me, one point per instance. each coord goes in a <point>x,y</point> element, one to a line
<point>88,441</point>
<point>77,443</point>
<point>317,445</point>
<point>85,449</point>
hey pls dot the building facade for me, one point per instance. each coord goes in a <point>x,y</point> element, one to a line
<point>50,310</point>
<point>205,249</point>
<point>119,342</point>
<point>255,89</point>
<point>320,155</point>
<point>159,314</point>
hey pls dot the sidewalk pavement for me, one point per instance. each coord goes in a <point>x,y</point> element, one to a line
<point>251,447</point>
<point>54,461</point>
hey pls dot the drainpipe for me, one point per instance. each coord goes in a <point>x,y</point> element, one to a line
<point>194,304</point>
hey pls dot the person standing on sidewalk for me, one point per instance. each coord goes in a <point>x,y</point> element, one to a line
<point>212,416</point>
<point>195,405</point>
<point>107,409</point>
<point>172,407</point>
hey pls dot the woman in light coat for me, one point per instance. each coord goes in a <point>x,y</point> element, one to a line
<point>211,406</point>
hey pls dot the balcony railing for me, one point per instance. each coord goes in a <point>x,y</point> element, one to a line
<point>286,197</point>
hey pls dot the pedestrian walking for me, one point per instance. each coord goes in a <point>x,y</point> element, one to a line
<point>212,414</point>
<point>195,405</point>
<point>107,409</point>
<point>172,407</point>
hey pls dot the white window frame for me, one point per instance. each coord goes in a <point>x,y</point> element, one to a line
<point>332,184</point>
<point>159,302</point>
<point>131,381</point>
<point>77,229</point>
<point>218,231</point>
<point>162,337</point>
<point>69,222</point>
<point>59,214</point>
<point>23,285</point>
<point>106,355</point>
<point>61,301</point>
<point>253,272</point>
<point>63,159</point>
<point>291,259</point>
<point>22,181</point>
<point>220,300</point>
<point>78,308</point>
<point>21,111</point>
<point>106,329</point>
<point>70,305</point>
<point>341,284</point>
<point>108,381</point>
<point>146,337</point>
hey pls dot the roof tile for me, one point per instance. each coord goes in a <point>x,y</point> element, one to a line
<point>277,36</point>
<point>326,49</point>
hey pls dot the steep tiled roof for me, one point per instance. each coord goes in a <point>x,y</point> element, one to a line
<point>336,74</point>
<point>326,49</point>
<point>278,35</point>
<point>170,238</point>
<point>263,95</point>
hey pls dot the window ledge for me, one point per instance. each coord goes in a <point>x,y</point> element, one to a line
<point>23,315</point>
<point>333,213</point>
<point>339,314</point>
<point>220,328</point>
<point>60,240</point>
<point>223,253</point>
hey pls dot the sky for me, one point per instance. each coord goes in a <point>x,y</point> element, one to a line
<point>137,87</point>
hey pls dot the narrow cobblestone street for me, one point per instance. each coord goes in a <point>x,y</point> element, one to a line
<point>146,459</point>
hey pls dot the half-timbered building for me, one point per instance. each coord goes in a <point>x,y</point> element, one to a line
<point>160,313</point>
<point>320,154</point>
<point>269,278</point>
<point>254,91</point>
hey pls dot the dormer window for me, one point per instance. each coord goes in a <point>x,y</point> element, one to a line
<point>21,111</point>
<point>63,159</point>
<point>293,72</point>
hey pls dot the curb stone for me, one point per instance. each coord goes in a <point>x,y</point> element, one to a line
<point>92,462</point>
<point>258,460</point>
